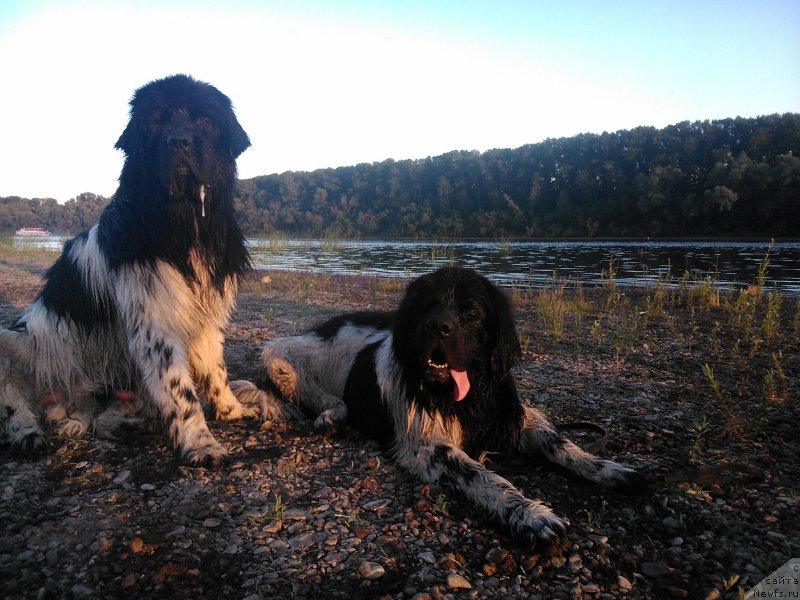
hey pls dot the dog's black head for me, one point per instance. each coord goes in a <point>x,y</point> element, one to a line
<point>175,198</point>
<point>187,130</point>
<point>454,330</point>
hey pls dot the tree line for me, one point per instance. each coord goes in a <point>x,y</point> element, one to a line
<point>730,177</point>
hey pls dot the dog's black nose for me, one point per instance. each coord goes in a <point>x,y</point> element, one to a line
<point>179,141</point>
<point>440,325</point>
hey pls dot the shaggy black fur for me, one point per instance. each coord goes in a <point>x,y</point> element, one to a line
<point>457,317</point>
<point>182,134</point>
<point>140,301</point>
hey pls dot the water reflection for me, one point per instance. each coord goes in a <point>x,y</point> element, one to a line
<point>733,264</point>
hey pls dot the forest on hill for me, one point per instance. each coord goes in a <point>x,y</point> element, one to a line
<point>730,177</point>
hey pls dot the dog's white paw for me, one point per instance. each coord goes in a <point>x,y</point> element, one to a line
<point>28,442</point>
<point>533,524</point>
<point>211,455</point>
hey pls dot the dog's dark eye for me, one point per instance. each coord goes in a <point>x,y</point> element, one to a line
<point>471,314</point>
<point>203,122</point>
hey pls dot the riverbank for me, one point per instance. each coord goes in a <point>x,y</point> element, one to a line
<point>681,379</point>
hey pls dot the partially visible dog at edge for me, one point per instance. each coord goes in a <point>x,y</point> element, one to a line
<point>139,302</point>
<point>433,383</point>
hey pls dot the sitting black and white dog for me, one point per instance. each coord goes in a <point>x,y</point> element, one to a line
<point>138,303</point>
<point>433,382</point>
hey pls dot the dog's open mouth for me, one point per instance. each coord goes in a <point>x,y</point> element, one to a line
<point>441,372</point>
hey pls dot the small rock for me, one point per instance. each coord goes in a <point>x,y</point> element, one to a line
<point>590,588</point>
<point>371,570</point>
<point>122,476</point>
<point>81,591</point>
<point>427,557</point>
<point>653,570</point>
<point>147,487</point>
<point>137,544</point>
<point>272,526</point>
<point>675,592</point>
<point>457,582</point>
<point>499,560</point>
<point>104,544</point>
<point>624,584</point>
<point>712,594</point>
<point>211,523</point>
<point>303,540</point>
<point>377,505</point>
<point>296,514</point>
<point>129,581</point>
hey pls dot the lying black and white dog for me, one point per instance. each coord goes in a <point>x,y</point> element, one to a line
<point>139,302</point>
<point>434,383</point>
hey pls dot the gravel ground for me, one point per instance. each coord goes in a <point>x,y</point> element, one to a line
<point>297,514</point>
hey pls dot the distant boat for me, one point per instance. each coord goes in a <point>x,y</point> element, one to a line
<point>32,232</point>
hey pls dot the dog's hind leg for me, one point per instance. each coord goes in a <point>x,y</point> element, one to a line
<point>300,387</point>
<point>23,425</point>
<point>539,437</point>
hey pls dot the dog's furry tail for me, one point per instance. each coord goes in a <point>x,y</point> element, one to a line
<point>273,407</point>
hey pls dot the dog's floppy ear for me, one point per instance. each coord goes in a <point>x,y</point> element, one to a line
<point>125,141</point>
<point>505,349</point>
<point>237,137</point>
<point>406,319</point>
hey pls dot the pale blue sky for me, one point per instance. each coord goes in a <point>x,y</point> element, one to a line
<point>327,84</point>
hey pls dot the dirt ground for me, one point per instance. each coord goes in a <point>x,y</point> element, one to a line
<point>680,379</point>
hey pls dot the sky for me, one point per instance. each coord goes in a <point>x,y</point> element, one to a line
<point>320,84</point>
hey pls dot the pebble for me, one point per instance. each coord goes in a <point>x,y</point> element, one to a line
<point>377,505</point>
<point>371,570</point>
<point>427,557</point>
<point>137,545</point>
<point>457,582</point>
<point>653,570</point>
<point>104,544</point>
<point>624,584</point>
<point>122,476</point>
<point>147,487</point>
<point>211,523</point>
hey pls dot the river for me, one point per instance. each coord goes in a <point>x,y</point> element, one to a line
<point>730,264</point>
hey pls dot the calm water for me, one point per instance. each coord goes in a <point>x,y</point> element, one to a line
<point>733,264</point>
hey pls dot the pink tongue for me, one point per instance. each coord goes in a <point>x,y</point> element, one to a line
<point>462,384</point>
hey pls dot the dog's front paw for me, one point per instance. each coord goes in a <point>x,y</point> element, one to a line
<point>533,524</point>
<point>622,478</point>
<point>332,419</point>
<point>28,444</point>
<point>212,456</point>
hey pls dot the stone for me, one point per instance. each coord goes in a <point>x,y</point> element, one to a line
<point>653,570</point>
<point>457,582</point>
<point>624,584</point>
<point>371,570</point>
